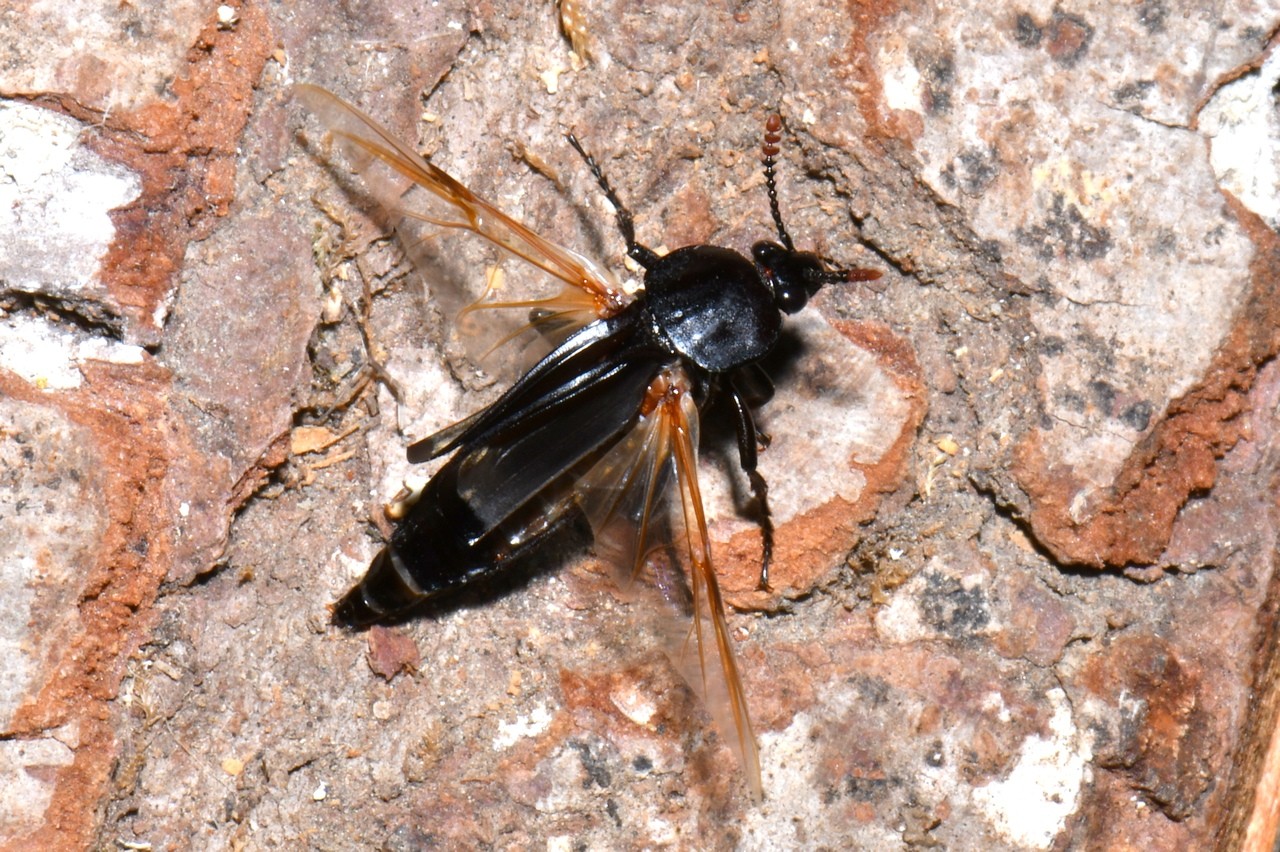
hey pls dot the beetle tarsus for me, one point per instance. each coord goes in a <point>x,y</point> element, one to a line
<point>760,489</point>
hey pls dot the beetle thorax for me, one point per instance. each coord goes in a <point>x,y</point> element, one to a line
<point>709,305</point>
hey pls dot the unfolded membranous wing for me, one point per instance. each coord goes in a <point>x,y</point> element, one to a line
<point>626,497</point>
<point>421,198</point>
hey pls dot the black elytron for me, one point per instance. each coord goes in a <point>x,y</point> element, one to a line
<point>607,422</point>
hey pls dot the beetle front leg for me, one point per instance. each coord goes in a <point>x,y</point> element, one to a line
<point>747,457</point>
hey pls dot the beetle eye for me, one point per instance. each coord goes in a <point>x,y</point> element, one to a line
<point>789,299</point>
<point>794,276</point>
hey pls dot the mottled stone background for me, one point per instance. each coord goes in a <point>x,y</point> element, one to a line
<point>1026,587</point>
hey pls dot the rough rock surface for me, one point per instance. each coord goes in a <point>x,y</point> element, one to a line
<point>1026,483</point>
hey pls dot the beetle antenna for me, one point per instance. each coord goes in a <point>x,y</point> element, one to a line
<point>839,275</point>
<point>770,149</point>
<point>637,252</point>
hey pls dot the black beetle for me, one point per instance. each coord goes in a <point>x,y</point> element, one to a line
<point>598,427</point>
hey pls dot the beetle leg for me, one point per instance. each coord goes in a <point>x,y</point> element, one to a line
<point>640,254</point>
<point>756,388</point>
<point>747,457</point>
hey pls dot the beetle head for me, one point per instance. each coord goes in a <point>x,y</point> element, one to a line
<point>794,276</point>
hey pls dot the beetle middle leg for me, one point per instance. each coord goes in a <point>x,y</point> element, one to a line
<point>748,455</point>
<point>755,387</point>
<point>642,255</point>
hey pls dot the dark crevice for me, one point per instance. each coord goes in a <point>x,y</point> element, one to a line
<point>82,315</point>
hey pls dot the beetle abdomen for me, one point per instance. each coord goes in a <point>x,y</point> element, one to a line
<point>433,549</point>
<point>503,494</point>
